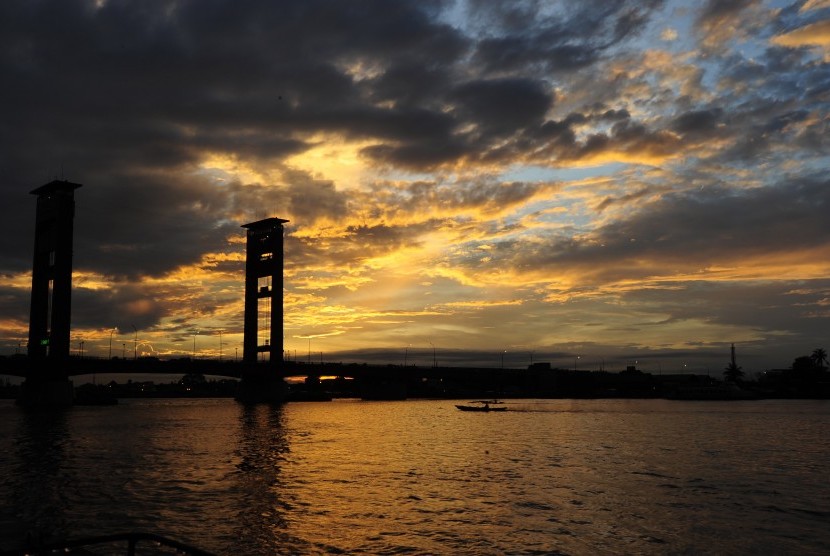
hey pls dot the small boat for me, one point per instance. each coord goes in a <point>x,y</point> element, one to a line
<point>482,405</point>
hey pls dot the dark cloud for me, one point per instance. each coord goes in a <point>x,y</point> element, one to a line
<point>561,131</point>
<point>769,129</point>
<point>188,71</point>
<point>484,112</point>
<point>136,86</point>
<point>408,124</point>
<point>417,156</point>
<point>691,231</point>
<point>717,11</point>
<point>417,83</point>
<point>123,307</point>
<point>526,35</point>
<point>628,137</point>
<point>14,302</point>
<point>624,199</point>
<point>500,106</point>
<point>147,226</point>
<point>614,115</point>
<point>765,306</point>
<point>139,227</point>
<point>311,200</point>
<point>491,196</point>
<point>127,98</point>
<point>508,53</point>
<point>697,121</point>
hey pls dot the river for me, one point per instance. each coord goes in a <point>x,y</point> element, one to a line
<point>420,477</point>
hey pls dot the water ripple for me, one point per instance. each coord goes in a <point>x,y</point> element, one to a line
<point>580,477</point>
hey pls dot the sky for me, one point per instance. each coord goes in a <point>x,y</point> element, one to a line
<point>593,184</point>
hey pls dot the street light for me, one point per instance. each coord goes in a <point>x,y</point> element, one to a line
<point>220,345</point>
<point>135,343</point>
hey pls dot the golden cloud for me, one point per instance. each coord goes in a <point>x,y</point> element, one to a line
<point>814,5</point>
<point>816,34</point>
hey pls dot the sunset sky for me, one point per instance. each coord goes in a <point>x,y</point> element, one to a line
<point>586,183</point>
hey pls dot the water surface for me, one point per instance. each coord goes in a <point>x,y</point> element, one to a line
<point>420,477</point>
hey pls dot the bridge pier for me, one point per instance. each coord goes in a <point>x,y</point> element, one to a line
<point>263,382</point>
<point>260,384</point>
<point>46,381</point>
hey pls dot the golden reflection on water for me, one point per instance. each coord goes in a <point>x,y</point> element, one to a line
<point>572,476</point>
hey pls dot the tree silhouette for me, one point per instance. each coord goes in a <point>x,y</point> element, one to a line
<point>733,373</point>
<point>803,364</point>
<point>819,358</point>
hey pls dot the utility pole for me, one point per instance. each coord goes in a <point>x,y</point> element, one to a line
<point>111,332</point>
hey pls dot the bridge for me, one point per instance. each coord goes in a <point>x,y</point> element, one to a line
<point>20,366</point>
<point>370,381</point>
<point>262,371</point>
<point>48,363</point>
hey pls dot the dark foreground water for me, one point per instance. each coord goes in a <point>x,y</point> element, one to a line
<point>574,477</point>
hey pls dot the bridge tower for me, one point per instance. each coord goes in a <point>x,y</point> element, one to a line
<point>263,296</point>
<point>50,310</point>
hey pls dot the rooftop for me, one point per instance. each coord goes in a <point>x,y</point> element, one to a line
<point>55,185</point>
<point>268,223</point>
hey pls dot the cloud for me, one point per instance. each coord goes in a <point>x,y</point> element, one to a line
<point>501,106</point>
<point>546,163</point>
<point>814,5</point>
<point>815,34</point>
<point>668,34</point>
<point>697,121</point>
<point>720,21</point>
<point>678,236</point>
<point>533,35</point>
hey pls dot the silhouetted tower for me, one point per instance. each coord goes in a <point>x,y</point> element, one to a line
<point>51,305</point>
<point>264,289</point>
